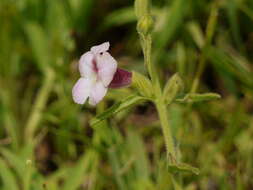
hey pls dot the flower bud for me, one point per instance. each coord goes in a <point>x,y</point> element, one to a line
<point>145,25</point>
<point>172,88</point>
<point>143,85</point>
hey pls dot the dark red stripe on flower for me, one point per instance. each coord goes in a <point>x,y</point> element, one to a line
<point>121,78</point>
<point>94,65</point>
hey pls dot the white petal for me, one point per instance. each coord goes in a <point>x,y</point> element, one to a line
<point>107,67</point>
<point>97,93</point>
<point>81,90</point>
<point>86,65</point>
<point>100,48</point>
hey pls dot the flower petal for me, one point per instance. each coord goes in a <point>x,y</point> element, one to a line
<point>100,48</point>
<point>107,67</point>
<point>97,93</point>
<point>120,79</point>
<point>86,65</point>
<point>81,90</point>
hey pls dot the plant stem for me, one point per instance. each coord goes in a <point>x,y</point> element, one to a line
<point>146,43</point>
<point>160,104</point>
<point>169,143</point>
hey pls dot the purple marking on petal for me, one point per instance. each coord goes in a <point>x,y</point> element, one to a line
<point>94,65</point>
<point>121,78</point>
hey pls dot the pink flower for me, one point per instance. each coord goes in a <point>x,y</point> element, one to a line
<point>98,71</point>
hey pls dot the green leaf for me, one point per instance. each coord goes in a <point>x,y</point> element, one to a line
<point>124,104</point>
<point>173,86</point>
<point>142,84</point>
<point>194,97</point>
<point>182,167</point>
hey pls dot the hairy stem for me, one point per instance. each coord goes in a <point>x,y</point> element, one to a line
<point>144,28</point>
<point>160,104</point>
<point>169,143</point>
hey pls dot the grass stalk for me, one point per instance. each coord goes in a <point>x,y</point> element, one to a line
<point>39,105</point>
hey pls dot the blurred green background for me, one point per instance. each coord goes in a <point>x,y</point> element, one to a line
<point>46,142</point>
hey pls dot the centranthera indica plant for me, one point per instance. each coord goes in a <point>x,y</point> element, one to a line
<point>99,72</point>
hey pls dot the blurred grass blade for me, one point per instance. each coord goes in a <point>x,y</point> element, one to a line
<point>115,163</point>
<point>119,17</point>
<point>80,12</point>
<point>174,19</point>
<point>128,102</point>
<point>8,178</point>
<point>77,175</point>
<point>176,185</point>
<point>14,160</point>
<point>232,12</point>
<point>39,45</point>
<point>8,118</point>
<point>39,105</point>
<point>229,66</point>
<point>181,59</point>
<point>138,150</point>
<point>197,34</point>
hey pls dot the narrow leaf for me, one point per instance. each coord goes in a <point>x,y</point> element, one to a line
<point>124,104</point>
<point>194,97</point>
<point>182,167</point>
